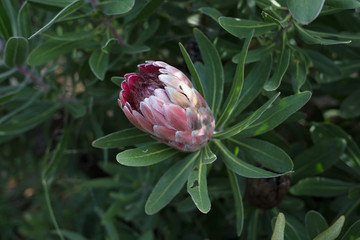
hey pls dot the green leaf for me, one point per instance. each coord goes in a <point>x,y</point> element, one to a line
<point>301,70</point>
<point>11,9</point>
<point>244,124</point>
<point>254,83</point>
<point>30,118</point>
<point>321,187</point>
<point>197,186</point>
<point>147,10</point>
<point>192,69</point>
<point>241,167</point>
<point>350,107</point>
<point>255,55</point>
<point>146,155</point>
<point>324,64</point>
<point>242,27</point>
<point>52,168</point>
<point>353,232</point>
<point>23,20</point>
<point>117,80</point>
<point>54,3</point>
<point>239,209</point>
<point>305,11</point>
<point>170,184</point>
<point>6,74</point>
<point>312,37</point>
<point>127,137</point>
<point>134,49</point>
<point>109,44</point>
<point>110,228</point>
<point>318,158</point>
<point>116,7</point>
<point>277,114</point>
<point>267,17</point>
<point>333,231</point>
<point>279,228</point>
<point>214,71</point>
<point>51,49</point>
<point>328,130</point>
<point>5,24</point>
<point>16,51</point>
<point>70,235</point>
<point>98,62</point>
<point>77,110</point>
<point>207,156</point>
<point>237,84</point>
<point>282,65</point>
<point>211,12</point>
<point>345,4</point>
<point>265,153</point>
<point>72,7</point>
<point>315,223</point>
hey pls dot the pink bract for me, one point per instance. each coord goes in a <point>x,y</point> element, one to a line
<point>162,101</point>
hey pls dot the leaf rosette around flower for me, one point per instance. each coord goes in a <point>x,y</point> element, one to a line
<point>162,101</point>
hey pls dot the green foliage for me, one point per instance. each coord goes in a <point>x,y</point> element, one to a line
<point>281,78</point>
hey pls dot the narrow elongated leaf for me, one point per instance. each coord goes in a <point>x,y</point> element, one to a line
<point>279,228</point>
<point>353,232</point>
<point>237,85</point>
<point>241,167</point>
<point>51,49</point>
<point>192,69</point>
<point>170,184</point>
<point>305,11</point>
<point>147,10</point>
<point>127,137</point>
<point>214,71</point>
<point>238,202</point>
<point>54,3</point>
<point>315,38</point>
<point>277,114</point>
<point>116,7</point>
<point>350,107</point>
<point>241,27</point>
<point>265,153</point>
<point>197,186</point>
<point>23,20</point>
<point>117,80</point>
<point>345,4</point>
<point>324,64</point>
<point>315,223</point>
<point>70,235</point>
<point>254,83</point>
<point>5,25</point>
<point>98,62</point>
<point>318,158</point>
<point>255,55</point>
<point>146,155</point>
<point>243,125</point>
<point>28,119</point>
<point>16,51</point>
<point>321,187</point>
<point>328,130</point>
<point>4,75</point>
<point>11,9</point>
<point>283,63</point>
<point>77,110</point>
<point>211,12</point>
<point>207,156</point>
<point>72,7</point>
<point>333,231</point>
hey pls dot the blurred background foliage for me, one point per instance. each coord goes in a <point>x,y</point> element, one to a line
<point>61,62</point>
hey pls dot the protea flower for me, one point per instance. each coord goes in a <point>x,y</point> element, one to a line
<point>162,101</point>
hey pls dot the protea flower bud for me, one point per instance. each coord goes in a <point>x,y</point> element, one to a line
<point>162,101</point>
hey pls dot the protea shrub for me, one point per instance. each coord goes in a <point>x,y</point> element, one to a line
<point>162,101</point>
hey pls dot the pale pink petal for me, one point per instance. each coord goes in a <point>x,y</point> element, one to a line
<point>200,135</point>
<point>169,80</point>
<point>177,98</point>
<point>176,116</point>
<point>184,137</point>
<point>145,124</point>
<point>122,98</point>
<point>130,116</point>
<point>161,93</point>
<point>164,133</point>
<point>156,103</point>
<point>147,113</point>
<point>192,119</point>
